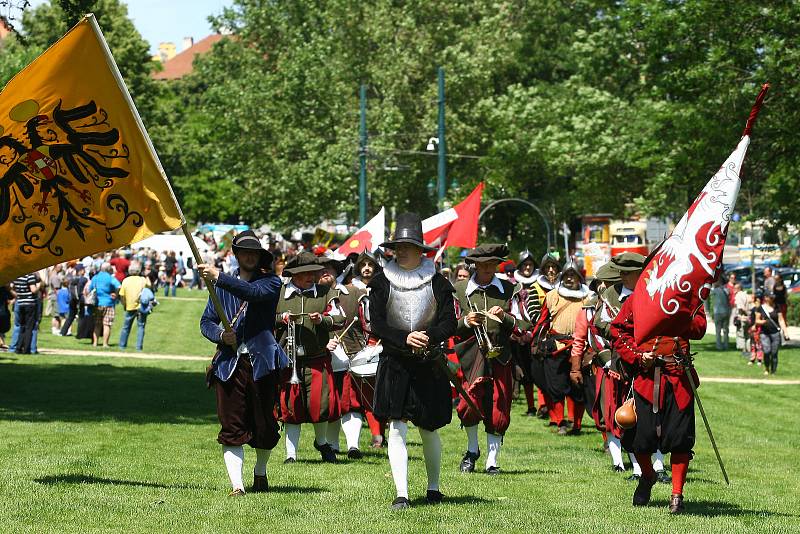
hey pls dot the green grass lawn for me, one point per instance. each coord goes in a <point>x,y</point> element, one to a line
<point>172,328</point>
<point>97,444</point>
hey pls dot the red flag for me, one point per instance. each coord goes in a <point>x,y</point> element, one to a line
<point>678,278</point>
<point>369,237</point>
<point>456,227</point>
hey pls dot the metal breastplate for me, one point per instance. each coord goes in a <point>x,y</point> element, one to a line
<point>411,309</point>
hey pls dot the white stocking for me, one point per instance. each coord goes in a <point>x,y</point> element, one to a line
<point>262,456</point>
<point>472,438</point>
<point>398,456</point>
<point>234,459</point>
<point>332,434</point>
<point>658,463</point>
<point>615,449</point>
<point>321,433</point>
<point>292,440</point>
<point>493,442</point>
<point>351,426</point>
<point>432,451</point>
<point>637,469</point>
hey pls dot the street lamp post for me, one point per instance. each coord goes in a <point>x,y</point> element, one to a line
<point>442,183</point>
<point>362,158</point>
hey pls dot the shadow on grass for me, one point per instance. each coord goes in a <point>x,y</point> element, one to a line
<point>77,478</point>
<point>460,499</point>
<point>81,393</point>
<point>296,489</point>
<point>719,508</point>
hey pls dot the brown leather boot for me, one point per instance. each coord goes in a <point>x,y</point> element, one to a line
<point>676,504</point>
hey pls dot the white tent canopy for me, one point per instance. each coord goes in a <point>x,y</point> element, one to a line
<point>167,242</point>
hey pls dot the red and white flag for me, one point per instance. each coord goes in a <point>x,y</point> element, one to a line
<point>679,275</point>
<point>368,237</point>
<point>455,227</point>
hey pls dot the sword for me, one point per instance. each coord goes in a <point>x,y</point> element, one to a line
<point>685,360</point>
<point>441,362</point>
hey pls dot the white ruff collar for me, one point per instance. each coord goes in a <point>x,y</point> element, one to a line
<point>547,286</point>
<point>581,293</point>
<point>525,279</point>
<point>412,279</point>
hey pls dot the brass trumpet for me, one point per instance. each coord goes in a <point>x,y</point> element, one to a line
<point>482,334</point>
<point>291,347</point>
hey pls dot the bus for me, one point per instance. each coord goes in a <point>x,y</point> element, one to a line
<point>628,236</point>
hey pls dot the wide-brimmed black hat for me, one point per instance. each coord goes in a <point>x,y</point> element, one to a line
<point>337,265</point>
<point>248,240</point>
<point>407,229</point>
<point>526,255</point>
<point>305,262</point>
<point>628,261</point>
<point>487,252</point>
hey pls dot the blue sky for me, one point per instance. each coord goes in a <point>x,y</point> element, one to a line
<point>170,20</point>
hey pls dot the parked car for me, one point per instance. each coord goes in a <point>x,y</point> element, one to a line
<point>791,279</point>
<point>744,276</point>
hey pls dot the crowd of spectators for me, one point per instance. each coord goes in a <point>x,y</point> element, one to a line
<point>758,317</point>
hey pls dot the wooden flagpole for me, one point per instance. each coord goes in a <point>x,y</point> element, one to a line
<point>112,64</point>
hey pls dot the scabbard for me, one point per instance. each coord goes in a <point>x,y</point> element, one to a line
<point>457,384</point>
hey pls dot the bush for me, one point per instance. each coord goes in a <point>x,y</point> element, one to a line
<point>793,310</point>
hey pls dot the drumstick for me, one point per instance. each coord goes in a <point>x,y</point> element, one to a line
<point>340,336</point>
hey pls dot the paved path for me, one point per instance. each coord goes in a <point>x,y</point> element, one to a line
<point>121,354</point>
<point>151,356</point>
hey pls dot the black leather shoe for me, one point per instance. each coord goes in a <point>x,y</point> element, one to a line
<point>468,462</point>
<point>236,493</point>
<point>676,504</point>
<point>493,470</point>
<point>289,460</point>
<point>433,497</point>
<point>541,413</point>
<point>355,454</point>
<point>618,469</point>
<point>634,478</point>
<point>260,484</point>
<point>327,454</point>
<point>641,496</point>
<point>663,477</point>
<point>401,503</point>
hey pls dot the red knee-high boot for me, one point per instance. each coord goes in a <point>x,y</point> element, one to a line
<point>680,466</point>
<point>529,397</point>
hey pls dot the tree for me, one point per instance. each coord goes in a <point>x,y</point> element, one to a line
<point>47,23</point>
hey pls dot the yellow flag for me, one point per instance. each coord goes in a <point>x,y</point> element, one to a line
<point>78,173</point>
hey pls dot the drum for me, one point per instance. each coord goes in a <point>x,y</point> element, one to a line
<point>365,363</point>
<point>339,360</point>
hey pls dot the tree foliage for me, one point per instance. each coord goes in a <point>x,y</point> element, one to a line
<point>579,106</point>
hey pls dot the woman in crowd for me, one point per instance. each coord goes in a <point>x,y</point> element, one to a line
<point>741,319</point>
<point>756,354</point>
<point>773,327</point>
<point>779,290</point>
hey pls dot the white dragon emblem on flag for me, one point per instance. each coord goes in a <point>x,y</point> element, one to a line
<point>697,242</point>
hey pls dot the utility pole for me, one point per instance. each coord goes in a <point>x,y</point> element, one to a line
<point>362,157</point>
<point>442,180</point>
